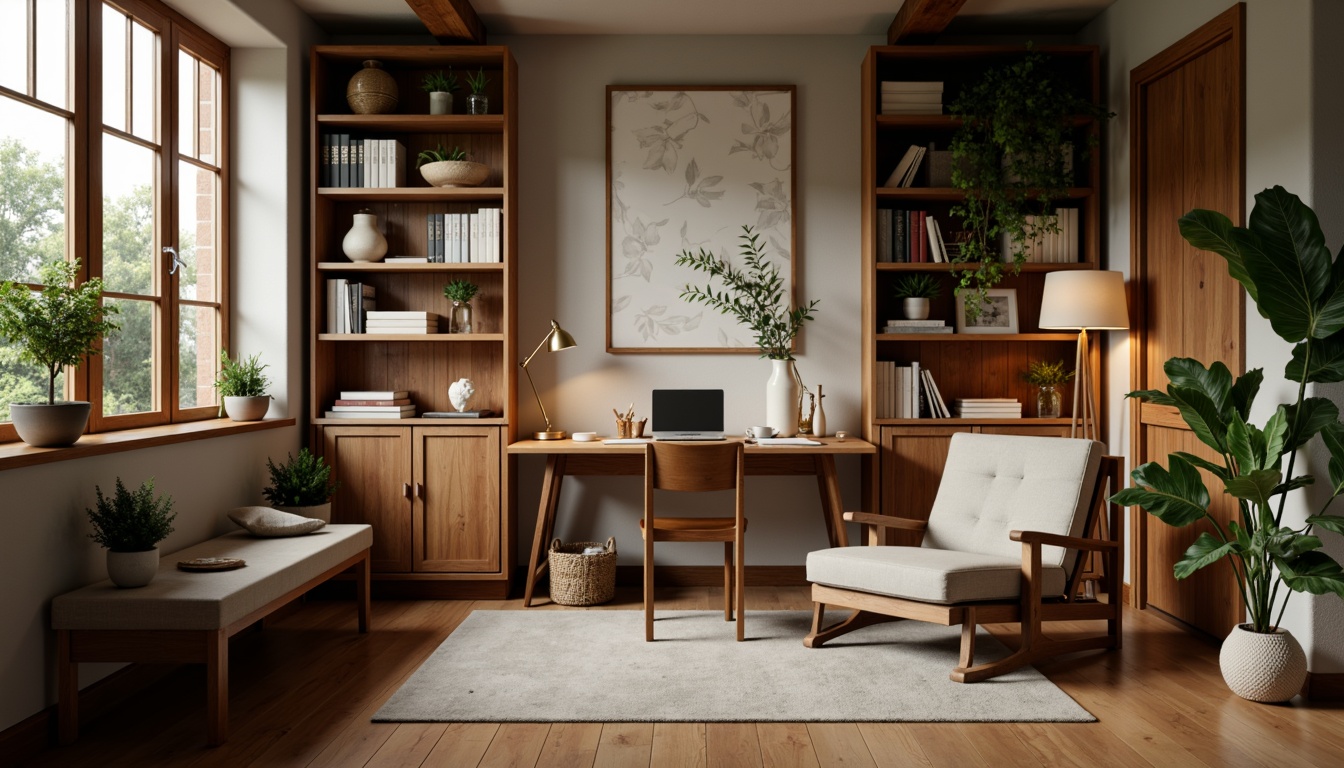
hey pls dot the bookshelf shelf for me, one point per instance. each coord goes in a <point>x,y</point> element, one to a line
<point>960,422</point>
<point>415,123</point>
<point>947,267</point>
<point>415,422</point>
<point>943,194</point>
<point>977,337</point>
<point>375,267</point>
<point>456,338</point>
<point>412,194</point>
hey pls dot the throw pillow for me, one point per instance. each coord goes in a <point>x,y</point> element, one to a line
<point>267,522</point>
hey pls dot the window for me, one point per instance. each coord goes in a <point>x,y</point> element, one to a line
<point>112,129</point>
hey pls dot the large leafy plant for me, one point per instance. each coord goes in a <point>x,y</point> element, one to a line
<point>1282,260</point>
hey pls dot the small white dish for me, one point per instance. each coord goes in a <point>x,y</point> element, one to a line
<point>585,437</point>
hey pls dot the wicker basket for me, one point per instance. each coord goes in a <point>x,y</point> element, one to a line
<point>579,579</point>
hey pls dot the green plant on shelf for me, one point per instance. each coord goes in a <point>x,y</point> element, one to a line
<point>918,286</point>
<point>243,377</point>
<point>438,82</point>
<point>461,291</point>
<point>1042,373</point>
<point>440,155</point>
<point>478,81</point>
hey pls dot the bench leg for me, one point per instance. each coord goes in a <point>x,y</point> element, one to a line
<point>67,683</point>
<point>217,687</point>
<point>362,592</point>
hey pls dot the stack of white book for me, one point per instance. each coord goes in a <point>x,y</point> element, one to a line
<point>465,238</point>
<point>988,408</point>
<point>912,98</point>
<point>393,321</point>
<point>348,304</point>
<point>907,391</point>
<point>917,326</point>
<point>376,404</point>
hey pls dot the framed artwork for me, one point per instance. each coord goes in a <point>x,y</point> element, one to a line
<point>998,313</point>
<point>687,168</point>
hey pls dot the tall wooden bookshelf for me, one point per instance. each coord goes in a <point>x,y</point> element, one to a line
<point>912,451</point>
<point>437,491</point>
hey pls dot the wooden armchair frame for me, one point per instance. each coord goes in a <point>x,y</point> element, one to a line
<point>1030,610</point>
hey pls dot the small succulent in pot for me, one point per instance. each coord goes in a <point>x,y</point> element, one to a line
<point>242,387</point>
<point>477,103</point>
<point>440,87</point>
<point>451,168</point>
<point>441,155</point>
<point>914,291</point>
<point>460,292</point>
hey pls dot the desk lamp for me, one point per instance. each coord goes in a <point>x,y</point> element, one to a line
<point>559,339</point>
<point>1084,300</point>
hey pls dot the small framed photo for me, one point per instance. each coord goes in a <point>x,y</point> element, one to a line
<point>998,313</point>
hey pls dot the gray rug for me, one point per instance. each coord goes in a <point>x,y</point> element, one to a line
<point>594,666</point>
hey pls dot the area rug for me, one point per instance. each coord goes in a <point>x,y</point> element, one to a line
<point>594,666</point>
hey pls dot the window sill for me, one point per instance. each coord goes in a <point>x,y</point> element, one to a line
<point>19,454</point>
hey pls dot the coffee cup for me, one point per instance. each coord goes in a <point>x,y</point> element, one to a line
<point>759,432</point>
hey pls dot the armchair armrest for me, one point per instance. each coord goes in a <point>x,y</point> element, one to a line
<point>885,521</point>
<point>1068,542</point>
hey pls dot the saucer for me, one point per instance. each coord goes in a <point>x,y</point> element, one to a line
<point>585,437</point>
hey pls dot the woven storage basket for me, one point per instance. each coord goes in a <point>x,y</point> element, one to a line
<point>579,579</point>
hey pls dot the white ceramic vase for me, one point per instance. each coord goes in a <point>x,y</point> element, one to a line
<point>247,408</point>
<point>364,242</point>
<point>317,512</point>
<point>915,309</point>
<point>440,103</point>
<point>1266,667</point>
<point>819,417</point>
<point>781,399</point>
<point>132,569</point>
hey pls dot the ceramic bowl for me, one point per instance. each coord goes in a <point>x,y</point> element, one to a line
<point>455,173</point>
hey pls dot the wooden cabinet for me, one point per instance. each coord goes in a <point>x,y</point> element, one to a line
<point>437,491</point>
<point>913,450</point>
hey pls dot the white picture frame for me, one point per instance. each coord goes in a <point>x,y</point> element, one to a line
<point>998,313</point>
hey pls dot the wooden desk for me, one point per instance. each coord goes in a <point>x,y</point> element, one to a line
<point>566,457</point>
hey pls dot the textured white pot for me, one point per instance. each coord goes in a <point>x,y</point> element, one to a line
<point>455,173</point>
<point>50,426</point>
<point>781,399</point>
<point>915,309</point>
<point>247,408</point>
<point>317,512</point>
<point>364,242</point>
<point>440,103</point>
<point>1263,667</point>
<point>132,569</point>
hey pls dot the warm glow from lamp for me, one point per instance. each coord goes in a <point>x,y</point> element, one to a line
<point>1084,300</point>
<point>559,339</point>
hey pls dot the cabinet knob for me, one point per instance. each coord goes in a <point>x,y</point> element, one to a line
<point>419,491</point>
<point>406,490</point>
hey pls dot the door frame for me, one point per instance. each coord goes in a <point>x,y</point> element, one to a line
<point>1228,26</point>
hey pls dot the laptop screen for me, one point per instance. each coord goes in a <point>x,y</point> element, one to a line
<point>688,410</point>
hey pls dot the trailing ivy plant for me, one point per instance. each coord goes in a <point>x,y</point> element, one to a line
<point>1012,160</point>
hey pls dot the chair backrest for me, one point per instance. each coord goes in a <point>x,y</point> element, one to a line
<point>994,484</point>
<point>709,466</point>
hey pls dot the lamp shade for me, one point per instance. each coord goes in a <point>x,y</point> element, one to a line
<point>1086,298</point>
<point>560,338</point>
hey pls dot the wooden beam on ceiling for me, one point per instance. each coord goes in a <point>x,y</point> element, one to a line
<point>921,20</point>
<point>450,21</point>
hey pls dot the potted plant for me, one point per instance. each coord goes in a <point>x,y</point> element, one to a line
<point>1046,376</point>
<point>442,168</point>
<point>440,88</point>
<point>302,485</point>
<point>914,291</point>
<point>460,292</point>
<point>754,295</point>
<point>54,328</point>
<point>1012,157</point>
<point>477,103</point>
<point>1260,660</point>
<point>242,387</point>
<point>130,526</point>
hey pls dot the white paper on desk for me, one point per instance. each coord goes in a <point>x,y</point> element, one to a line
<point>627,441</point>
<point>767,441</point>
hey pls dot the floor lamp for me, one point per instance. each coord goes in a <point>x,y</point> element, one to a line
<point>1084,300</point>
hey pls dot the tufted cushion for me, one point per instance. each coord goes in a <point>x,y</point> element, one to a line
<point>929,575</point>
<point>994,484</point>
<point>270,523</point>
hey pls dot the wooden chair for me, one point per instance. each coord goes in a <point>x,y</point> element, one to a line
<point>696,467</point>
<point>999,494</point>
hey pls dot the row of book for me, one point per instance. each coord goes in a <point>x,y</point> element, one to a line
<point>348,302</point>
<point>1052,247</point>
<point>465,238</point>
<point>988,408</point>
<point>905,97</point>
<point>366,163</point>
<point>905,391</point>
<point>401,321</point>
<point>911,237</point>
<point>907,170</point>
<point>917,326</point>
<point>378,404</point>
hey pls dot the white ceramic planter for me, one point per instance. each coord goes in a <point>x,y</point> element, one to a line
<point>781,399</point>
<point>318,512</point>
<point>50,426</point>
<point>364,242</point>
<point>915,309</point>
<point>455,173</point>
<point>132,569</point>
<point>440,103</point>
<point>1266,667</point>
<point>247,408</point>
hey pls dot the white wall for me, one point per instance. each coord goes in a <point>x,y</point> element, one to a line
<point>562,250</point>
<point>45,550</point>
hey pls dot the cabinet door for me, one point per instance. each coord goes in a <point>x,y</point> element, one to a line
<point>372,464</point>
<point>912,467</point>
<point>457,519</point>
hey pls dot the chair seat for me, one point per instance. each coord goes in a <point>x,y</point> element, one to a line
<point>928,575</point>
<point>692,528</point>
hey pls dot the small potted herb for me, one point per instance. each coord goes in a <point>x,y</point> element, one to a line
<point>301,485</point>
<point>242,387</point>
<point>477,103</point>
<point>451,168</point>
<point>914,291</point>
<point>1046,377</point>
<point>130,525</point>
<point>54,328</point>
<point>460,292</point>
<point>440,88</point>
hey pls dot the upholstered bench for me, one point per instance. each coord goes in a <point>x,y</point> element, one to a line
<point>188,618</point>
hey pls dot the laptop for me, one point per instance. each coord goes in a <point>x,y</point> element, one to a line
<point>688,414</point>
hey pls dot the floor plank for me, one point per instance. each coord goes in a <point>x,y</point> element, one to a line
<point>786,745</point>
<point>462,744</point>
<point>732,745</point>
<point>625,745</point>
<point>679,744</point>
<point>893,744</point>
<point>839,744</point>
<point>571,745</point>
<point>408,745</point>
<point>516,745</point>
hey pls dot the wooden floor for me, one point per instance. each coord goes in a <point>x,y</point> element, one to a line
<point>303,691</point>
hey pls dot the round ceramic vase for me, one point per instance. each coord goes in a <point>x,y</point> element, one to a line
<point>781,399</point>
<point>132,569</point>
<point>372,91</point>
<point>364,242</point>
<point>1263,666</point>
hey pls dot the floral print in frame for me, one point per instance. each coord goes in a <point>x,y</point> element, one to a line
<point>687,167</point>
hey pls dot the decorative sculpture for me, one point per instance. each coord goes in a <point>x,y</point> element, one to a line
<point>460,393</point>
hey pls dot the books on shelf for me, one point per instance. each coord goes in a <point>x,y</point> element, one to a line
<point>375,394</point>
<point>909,237</point>
<point>907,170</point>
<point>465,238</point>
<point>402,322</point>
<point>367,414</point>
<point>903,97</point>
<point>484,413</point>
<point>917,326</point>
<point>1051,247</point>
<point>348,161</point>
<point>372,404</point>
<point>348,302</point>
<point>369,403</point>
<point>406,260</point>
<point>374,408</point>
<point>907,391</point>
<point>988,408</point>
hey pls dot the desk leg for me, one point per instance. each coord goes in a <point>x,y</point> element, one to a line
<point>832,507</point>
<point>67,676</point>
<point>550,499</point>
<point>217,687</point>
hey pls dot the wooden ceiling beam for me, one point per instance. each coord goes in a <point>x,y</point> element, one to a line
<point>920,20</point>
<point>450,21</point>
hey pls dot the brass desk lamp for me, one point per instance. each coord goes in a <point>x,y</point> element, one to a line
<point>559,339</point>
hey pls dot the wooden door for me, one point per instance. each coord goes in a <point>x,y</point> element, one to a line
<point>373,467</point>
<point>1187,151</point>
<point>457,505</point>
<point>912,466</point>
